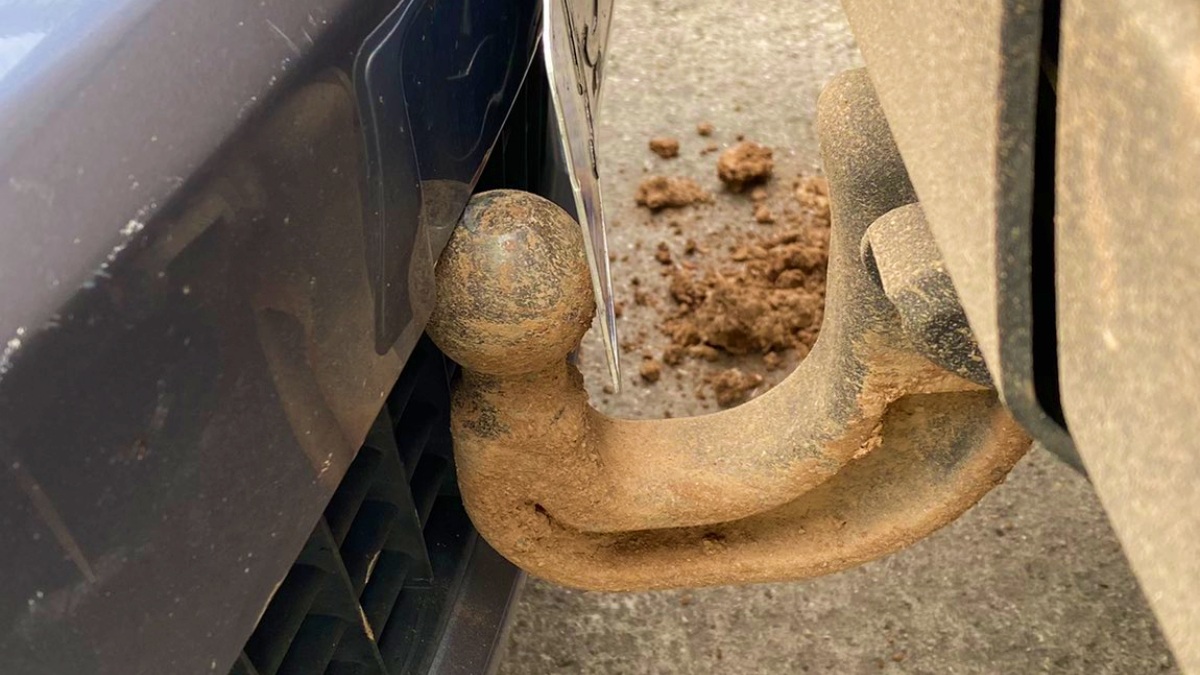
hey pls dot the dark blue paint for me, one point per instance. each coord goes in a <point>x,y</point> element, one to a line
<point>187,395</point>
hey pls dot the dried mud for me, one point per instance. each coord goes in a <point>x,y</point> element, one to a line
<point>660,192</point>
<point>745,164</point>
<point>665,147</point>
<point>761,296</point>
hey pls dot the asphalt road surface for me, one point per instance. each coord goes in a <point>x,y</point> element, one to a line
<point>1031,580</point>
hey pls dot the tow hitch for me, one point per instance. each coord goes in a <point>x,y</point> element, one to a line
<point>888,430</point>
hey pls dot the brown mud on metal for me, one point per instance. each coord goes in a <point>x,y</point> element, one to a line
<point>520,292</point>
<point>865,448</point>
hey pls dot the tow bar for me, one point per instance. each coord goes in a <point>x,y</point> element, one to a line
<point>888,430</point>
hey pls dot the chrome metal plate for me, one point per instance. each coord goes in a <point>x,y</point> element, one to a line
<point>574,37</point>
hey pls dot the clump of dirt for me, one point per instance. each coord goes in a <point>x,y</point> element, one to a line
<point>704,128</point>
<point>732,386</point>
<point>665,147</point>
<point>663,253</point>
<point>763,215</point>
<point>674,354</point>
<point>763,296</point>
<point>642,298</point>
<point>772,361</point>
<point>745,164</point>
<point>772,301</point>
<point>660,192</point>
<point>650,370</point>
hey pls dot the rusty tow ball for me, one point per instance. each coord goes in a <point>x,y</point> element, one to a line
<point>885,432</point>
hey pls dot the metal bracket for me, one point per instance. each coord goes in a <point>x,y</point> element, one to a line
<point>872,443</point>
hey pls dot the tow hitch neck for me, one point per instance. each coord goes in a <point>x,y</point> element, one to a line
<point>888,430</point>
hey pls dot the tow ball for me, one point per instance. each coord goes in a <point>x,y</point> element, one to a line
<point>888,430</point>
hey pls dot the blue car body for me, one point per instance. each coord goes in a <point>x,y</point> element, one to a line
<point>223,439</point>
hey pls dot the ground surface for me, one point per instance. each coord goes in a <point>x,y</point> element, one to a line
<point>1031,580</point>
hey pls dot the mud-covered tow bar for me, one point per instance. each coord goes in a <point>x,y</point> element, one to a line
<point>884,433</point>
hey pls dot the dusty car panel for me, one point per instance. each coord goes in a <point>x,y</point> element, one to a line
<point>191,266</point>
<point>1127,251</point>
<point>1060,181</point>
<point>966,90</point>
